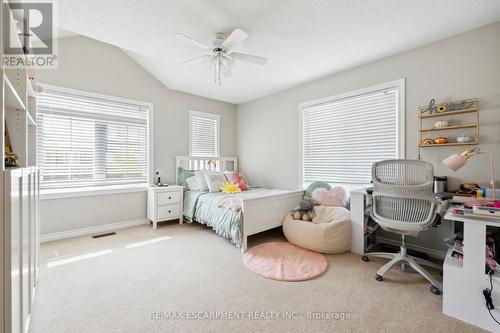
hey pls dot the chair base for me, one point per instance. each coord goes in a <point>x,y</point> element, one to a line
<point>403,259</point>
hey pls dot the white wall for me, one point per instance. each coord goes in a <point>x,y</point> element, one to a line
<point>463,66</point>
<point>89,65</point>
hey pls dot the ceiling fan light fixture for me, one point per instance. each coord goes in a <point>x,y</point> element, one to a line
<point>220,58</point>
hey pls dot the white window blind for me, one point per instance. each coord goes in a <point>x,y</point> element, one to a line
<point>89,141</point>
<point>343,137</point>
<point>204,134</point>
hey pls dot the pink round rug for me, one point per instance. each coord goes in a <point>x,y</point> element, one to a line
<point>284,261</point>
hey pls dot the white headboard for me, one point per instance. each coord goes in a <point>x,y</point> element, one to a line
<point>203,163</point>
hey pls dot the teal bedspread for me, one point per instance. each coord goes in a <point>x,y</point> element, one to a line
<point>201,207</point>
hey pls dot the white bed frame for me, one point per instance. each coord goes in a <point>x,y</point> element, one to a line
<point>259,213</point>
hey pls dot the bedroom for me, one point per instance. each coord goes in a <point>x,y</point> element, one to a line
<point>260,121</point>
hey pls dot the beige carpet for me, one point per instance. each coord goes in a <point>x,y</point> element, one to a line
<point>114,284</point>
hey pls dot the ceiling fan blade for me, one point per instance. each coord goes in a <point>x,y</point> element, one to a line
<point>194,42</point>
<point>235,38</point>
<point>204,57</point>
<point>250,58</point>
<point>227,61</point>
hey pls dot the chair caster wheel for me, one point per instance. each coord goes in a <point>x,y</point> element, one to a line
<point>435,290</point>
<point>365,258</point>
<point>379,277</point>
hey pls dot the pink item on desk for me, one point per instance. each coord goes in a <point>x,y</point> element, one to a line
<point>456,161</point>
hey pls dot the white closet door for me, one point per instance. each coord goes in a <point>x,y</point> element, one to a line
<point>13,244</point>
<point>37,224</point>
<point>32,247</point>
<point>25,251</point>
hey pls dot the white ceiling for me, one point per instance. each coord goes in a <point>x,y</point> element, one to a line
<point>303,39</point>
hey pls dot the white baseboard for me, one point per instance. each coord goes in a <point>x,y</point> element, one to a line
<point>430,252</point>
<point>92,230</point>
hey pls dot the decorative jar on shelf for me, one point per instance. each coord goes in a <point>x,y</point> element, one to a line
<point>465,138</point>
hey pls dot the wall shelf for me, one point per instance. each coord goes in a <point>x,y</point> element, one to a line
<point>468,120</point>
<point>31,121</point>
<point>450,144</point>
<point>449,113</point>
<point>433,129</point>
<point>30,90</point>
<point>12,98</point>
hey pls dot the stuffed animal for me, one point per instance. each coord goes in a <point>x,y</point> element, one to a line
<point>305,210</point>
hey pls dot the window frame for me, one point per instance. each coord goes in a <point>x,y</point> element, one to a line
<point>84,190</point>
<point>208,115</point>
<point>399,84</point>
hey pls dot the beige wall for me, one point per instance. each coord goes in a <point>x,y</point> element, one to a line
<point>89,65</point>
<point>463,66</point>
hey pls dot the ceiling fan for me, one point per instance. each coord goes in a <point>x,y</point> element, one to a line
<point>221,59</point>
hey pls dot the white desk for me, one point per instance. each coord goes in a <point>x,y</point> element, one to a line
<point>357,208</point>
<point>463,282</point>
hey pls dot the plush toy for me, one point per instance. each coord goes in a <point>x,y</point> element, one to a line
<point>305,210</point>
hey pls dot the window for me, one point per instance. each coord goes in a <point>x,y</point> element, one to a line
<point>343,136</point>
<point>204,134</point>
<point>91,140</point>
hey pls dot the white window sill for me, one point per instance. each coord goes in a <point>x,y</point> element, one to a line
<point>91,191</point>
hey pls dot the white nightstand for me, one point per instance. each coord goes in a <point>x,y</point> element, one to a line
<point>165,203</point>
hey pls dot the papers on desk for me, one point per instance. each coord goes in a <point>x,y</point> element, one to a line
<point>477,212</point>
<point>487,211</point>
<point>461,199</point>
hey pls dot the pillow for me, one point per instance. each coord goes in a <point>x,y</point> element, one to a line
<point>310,189</point>
<point>239,179</point>
<point>195,183</point>
<point>336,197</point>
<point>201,175</point>
<point>182,175</point>
<point>215,180</point>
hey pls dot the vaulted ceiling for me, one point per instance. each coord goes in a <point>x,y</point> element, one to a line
<point>303,39</point>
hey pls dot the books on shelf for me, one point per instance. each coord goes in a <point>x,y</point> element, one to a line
<point>457,251</point>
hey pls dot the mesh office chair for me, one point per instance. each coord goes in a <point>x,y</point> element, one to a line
<point>403,203</point>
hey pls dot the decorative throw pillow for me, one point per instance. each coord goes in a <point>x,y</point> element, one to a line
<point>195,183</point>
<point>230,187</point>
<point>182,175</point>
<point>215,181</point>
<point>336,197</point>
<point>203,181</point>
<point>313,186</point>
<point>239,179</point>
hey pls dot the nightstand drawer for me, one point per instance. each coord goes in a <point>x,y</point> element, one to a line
<point>167,198</point>
<point>170,211</point>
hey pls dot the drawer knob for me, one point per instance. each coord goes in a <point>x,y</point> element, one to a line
<point>170,211</point>
<point>169,198</point>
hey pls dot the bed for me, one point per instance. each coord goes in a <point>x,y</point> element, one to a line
<point>258,209</point>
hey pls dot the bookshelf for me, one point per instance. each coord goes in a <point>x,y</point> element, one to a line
<point>19,194</point>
